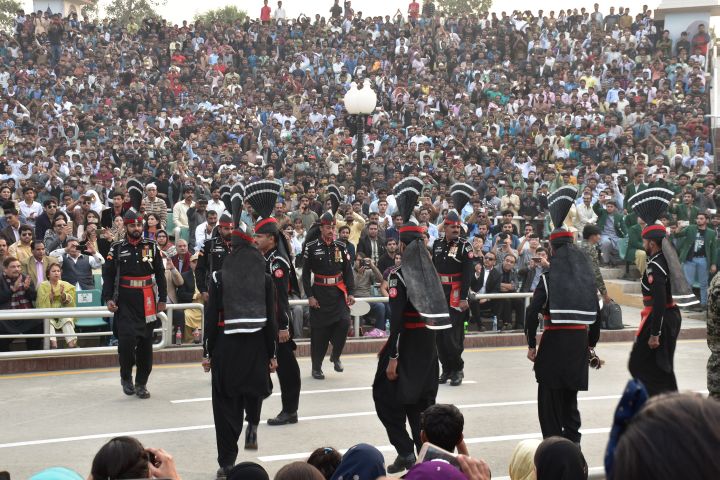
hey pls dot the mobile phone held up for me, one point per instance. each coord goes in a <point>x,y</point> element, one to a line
<point>430,452</point>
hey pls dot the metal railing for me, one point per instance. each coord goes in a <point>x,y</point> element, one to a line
<point>166,328</point>
<point>45,314</point>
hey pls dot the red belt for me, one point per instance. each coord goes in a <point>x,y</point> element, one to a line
<point>455,286</point>
<point>449,278</point>
<point>332,281</point>
<point>328,280</point>
<point>564,327</point>
<point>645,313</point>
<point>136,282</point>
<point>648,302</point>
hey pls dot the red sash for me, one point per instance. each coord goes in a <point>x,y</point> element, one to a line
<point>340,285</point>
<point>645,313</point>
<point>149,306</point>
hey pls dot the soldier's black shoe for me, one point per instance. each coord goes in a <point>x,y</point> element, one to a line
<point>318,375</point>
<point>127,386</point>
<point>251,437</point>
<point>456,378</point>
<point>444,377</point>
<point>402,462</point>
<point>142,392</point>
<point>283,418</point>
<point>337,364</point>
<point>223,472</point>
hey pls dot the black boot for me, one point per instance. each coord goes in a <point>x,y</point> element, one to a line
<point>338,365</point>
<point>283,418</point>
<point>223,472</point>
<point>127,386</point>
<point>251,437</point>
<point>318,374</point>
<point>456,378</point>
<point>444,378</point>
<point>142,392</point>
<point>402,462</point>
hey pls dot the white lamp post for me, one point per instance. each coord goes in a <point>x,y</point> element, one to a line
<point>361,103</point>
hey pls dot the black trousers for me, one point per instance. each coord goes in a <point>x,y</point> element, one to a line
<point>288,372</point>
<point>393,417</point>
<point>136,351</point>
<point>558,413</point>
<point>228,416</point>
<point>451,342</point>
<point>320,337</point>
<point>505,309</point>
<point>31,343</point>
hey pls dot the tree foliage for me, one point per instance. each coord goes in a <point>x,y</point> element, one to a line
<point>133,11</point>
<point>463,7</point>
<point>8,9</point>
<point>91,10</point>
<point>228,14</point>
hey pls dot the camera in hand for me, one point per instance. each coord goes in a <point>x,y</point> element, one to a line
<point>430,452</point>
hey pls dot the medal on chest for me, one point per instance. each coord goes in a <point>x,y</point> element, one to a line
<point>338,256</point>
<point>147,254</point>
<point>452,253</point>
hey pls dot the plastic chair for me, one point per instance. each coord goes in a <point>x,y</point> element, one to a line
<point>89,298</point>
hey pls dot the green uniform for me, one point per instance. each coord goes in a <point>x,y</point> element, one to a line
<point>592,252</point>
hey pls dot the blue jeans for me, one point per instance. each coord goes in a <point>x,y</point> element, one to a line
<point>377,312</point>
<point>697,270</point>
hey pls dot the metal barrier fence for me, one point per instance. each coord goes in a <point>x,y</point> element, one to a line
<point>166,328</point>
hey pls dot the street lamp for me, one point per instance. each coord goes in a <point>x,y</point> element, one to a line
<point>361,103</point>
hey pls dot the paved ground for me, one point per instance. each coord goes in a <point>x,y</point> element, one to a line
<point>62,418</point>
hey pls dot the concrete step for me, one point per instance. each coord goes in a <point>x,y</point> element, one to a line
<point>612,273</point>
<point>625,292</point>
<point>627,286</point>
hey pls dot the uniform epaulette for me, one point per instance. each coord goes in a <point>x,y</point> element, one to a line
<point>275,256</point>
<point>312,242</point>
<point>340,243</point>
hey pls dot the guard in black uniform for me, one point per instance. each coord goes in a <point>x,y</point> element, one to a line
<point>453,259</point>
<point>406,378</point>
<point>132,269</point>
<point>212,254</point>
<point>572,327</point>
<point>330,294</point>
<point>652,355</point>
<point>262,197</point>
<point>240,346</point>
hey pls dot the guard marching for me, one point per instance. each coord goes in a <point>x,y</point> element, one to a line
<point>240,342</point>
<point>132,269</point>
<point>453,259</point>
<point>406,378</point>
<point>262,197</point>
<point>571,327</point>
<point>330,293</point>
<point>652,355</point>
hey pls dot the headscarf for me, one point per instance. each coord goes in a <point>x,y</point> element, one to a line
<point>96,203</point>
<point>436,469</point>
<point>632,400</point>
<point>248,471</point>
<point>558,458</point>
<point>361,462</point>
<point>522,461</point>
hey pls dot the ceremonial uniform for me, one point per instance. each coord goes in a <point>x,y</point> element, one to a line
<point>288,369</point>
<point>660,317</point>
<point>240,341</point>
<point>571,326</point>
<point>453,261</point>
<point>333,282</point>
<point>406,378</point>
<point>416,387</point>
<point>132,269</point>
<point>662,285</point>
<point>210,259</point>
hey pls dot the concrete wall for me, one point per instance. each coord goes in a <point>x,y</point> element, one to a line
<point>685,22</point>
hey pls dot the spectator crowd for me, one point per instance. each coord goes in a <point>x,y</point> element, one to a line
<point>515,105</point>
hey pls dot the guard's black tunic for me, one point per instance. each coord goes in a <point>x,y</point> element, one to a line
<point>654,367</point>
<point>561,365</point>
<point>454,263</point>
<point>240,369</point>
<point>416,387</point>
<point>210,259</point>
<point>137,260</point>
<point>288,370</point>
<point>331,265</point>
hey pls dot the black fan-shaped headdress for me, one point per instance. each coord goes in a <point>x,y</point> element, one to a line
<point>651,204</point>
<point>135,191</point>
<point>226,196</point>
<point>335,196</point>
<point>262,196</point>
<point>461,193</point>
<point>406,192</point>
